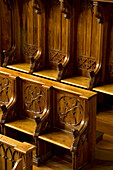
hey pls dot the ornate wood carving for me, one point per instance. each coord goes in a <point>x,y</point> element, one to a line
<point>70,108</point>
<point>31,51</point>
<point>87,63</point>
<point>34,99</point>
<point>5,90</point>
<point>12,150</point>
<point>56,56</point>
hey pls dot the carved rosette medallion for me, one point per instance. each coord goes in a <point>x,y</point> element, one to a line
<point>34,99</point>
<point>86,63</point>
<point>70,110</point>
<point>5,90</point>
<point>56,56</point>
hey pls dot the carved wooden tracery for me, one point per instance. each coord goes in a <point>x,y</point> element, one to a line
<point>70,108</point>
<point>5,90</point>
<point>34,99</point>
<point>9,155</point>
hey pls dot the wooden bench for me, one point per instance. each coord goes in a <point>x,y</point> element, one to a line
<point>72,128</point>
<point>15,155</point>
<point>27,108</point>
<point>52,115</point>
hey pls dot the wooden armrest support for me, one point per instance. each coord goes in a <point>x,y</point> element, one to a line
<point>35,60</point>
<point>93,75</point>
<point>61,67</point>
<point>77,135</point>
<point>8,55</point>
<point>41,123</point>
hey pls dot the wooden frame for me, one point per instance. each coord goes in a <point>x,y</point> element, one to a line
<point>20,153</point>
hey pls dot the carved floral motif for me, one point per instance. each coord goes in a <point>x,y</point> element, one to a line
<point>70,110</point>
<point>34,99</point>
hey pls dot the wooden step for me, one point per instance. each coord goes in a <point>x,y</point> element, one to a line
<point>104,148</point>
<point>104,122</point>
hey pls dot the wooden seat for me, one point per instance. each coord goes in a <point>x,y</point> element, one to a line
<point>15,155</point>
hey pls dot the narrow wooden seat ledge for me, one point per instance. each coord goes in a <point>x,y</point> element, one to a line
<point>24,125</point>
<point>59,138</point>
<point>106,89</point>
<point>84,93</point>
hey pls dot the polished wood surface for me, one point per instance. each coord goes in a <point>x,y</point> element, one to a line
<point>24,125</point>
<point>59,138</point>
<point>104,149</point>
<point>12,150</point>
<point>43,104</point>
<point>60,40</point>
<point>104,122</point>
<point>106,89</point>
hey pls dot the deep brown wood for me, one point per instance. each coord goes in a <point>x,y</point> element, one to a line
<point>44,104</point>
<point>68,41</point>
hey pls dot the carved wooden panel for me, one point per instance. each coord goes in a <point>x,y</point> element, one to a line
<point>8,156</point>
<point>89,33</point>
<point>58,31</point>
<point>5,90</point>
<point>69,110</point>
<point>34,98</point>
<point>32,27</point>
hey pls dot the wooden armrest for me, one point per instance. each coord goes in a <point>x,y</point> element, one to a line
<point>8,54</point>
<point>35,60</point>
<point>77,135</point>
<point>42,123</point>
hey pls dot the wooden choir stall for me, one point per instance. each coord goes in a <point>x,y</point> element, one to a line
<point>56,81</point>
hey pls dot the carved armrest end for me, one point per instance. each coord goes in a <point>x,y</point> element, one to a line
<point>35,60</point>
<point>9,55</point>
<point>42,123</point>
<point>4,113</point>
<point>92,80</point>
<point>77,134</point>
<point>60,71</point>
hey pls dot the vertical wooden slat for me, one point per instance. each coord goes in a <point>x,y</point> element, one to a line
<point>30,23</point>
<point>89,29</point>
<point>84,32</point>
<point>79,35</point>
<point>94,35</point>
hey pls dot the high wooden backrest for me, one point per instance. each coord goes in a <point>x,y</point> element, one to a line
<point>89,37</point>
<point>58,32</point>
<point>11,151</point>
